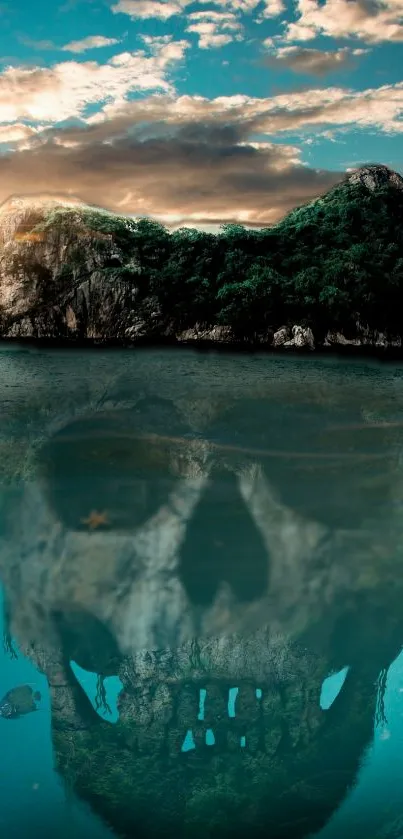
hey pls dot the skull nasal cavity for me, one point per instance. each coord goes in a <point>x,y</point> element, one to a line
<point>223,545</point>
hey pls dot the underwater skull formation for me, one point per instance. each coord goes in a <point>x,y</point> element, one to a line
<point>170,543</point>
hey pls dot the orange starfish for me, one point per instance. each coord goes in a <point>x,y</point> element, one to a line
<point>95,519</point>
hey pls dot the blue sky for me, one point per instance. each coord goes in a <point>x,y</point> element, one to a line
<point>197,112</point>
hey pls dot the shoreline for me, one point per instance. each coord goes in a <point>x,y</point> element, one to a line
<point>373,351</point>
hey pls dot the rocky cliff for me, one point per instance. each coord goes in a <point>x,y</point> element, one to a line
<point>374,177</point>
<point>62,275</point>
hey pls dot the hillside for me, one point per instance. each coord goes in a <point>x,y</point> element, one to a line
<point>72,271</point>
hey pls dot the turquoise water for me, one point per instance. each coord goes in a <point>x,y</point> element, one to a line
<point>201,563</point>
<point>32,796</point>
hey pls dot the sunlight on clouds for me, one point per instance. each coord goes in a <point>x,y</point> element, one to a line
<point>164,47</point>
<point>170,177</point>
<point>16,132</point>
<point>214,28</point>
<point>187,159</point>
<point>296,111</point>
<point>266,8</point>
<point>143,9</point>
<point>62,141</point>
<point>159,9</point>
<point>116,133</point>
<point>272,8</point>
<point>66,89</point>
<point>370,22</point>
<point>290,155</point>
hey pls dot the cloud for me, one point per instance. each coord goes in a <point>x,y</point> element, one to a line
<point>294,111</point>
<point>165,48</point>
<point>265,8</point>
<point>368,20</point>
<point>36,45</point>
<point>196,160</point>
<point>165,9</point>
<point>312,61</point>
<point>143,9</point>
<point>89,43</point>
<point>272,8</point>
<point>67,89</point>
<point>191,182</point>
<point>215,29</point>
<point>16,132</point>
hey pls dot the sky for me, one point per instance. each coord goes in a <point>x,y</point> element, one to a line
<point>197,113</point>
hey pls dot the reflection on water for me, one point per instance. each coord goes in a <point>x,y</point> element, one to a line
<point>201,558</point>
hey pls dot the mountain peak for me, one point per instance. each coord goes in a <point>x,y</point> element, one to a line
<point>18,203</point>
<point>375,175</point>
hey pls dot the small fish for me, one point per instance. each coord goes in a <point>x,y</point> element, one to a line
<point>19,701</point>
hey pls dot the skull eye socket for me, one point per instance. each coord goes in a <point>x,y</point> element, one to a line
<point>115,464</point>
<point>325,463</point>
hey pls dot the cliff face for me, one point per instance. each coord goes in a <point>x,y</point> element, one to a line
<point>60,276</point>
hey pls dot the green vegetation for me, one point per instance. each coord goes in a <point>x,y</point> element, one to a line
<point>326,265</point>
